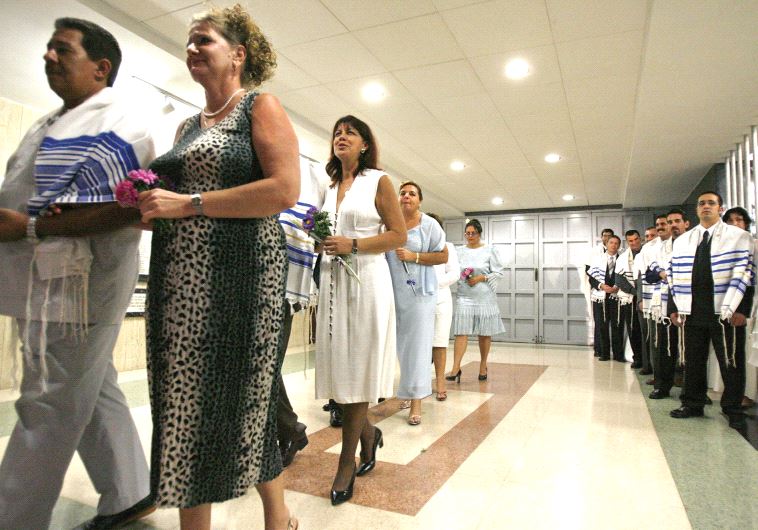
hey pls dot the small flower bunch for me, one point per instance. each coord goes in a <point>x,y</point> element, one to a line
<point>318,225</point>
<point>137,181</point>
<point>465,273</point>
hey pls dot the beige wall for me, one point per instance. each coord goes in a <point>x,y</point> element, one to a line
<point>15,120</point>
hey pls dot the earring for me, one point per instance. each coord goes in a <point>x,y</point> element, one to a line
<point>363,150</point>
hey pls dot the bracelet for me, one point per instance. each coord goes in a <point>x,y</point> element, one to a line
<point>416,257</point>
<point>31,230</point>
<point>355,247</point>
<point>197,203</point>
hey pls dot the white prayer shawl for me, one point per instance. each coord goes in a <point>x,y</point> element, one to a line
<point>731,266</point>
<point>301,253</point>
<point>85,153</point>
<point>643,260</point>
<point>597,271</point>
<point>625,267</point>
<point>659,301</point>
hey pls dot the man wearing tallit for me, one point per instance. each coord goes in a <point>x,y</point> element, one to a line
<point>709,273</point>
<point>644,259</point>
<point>669,337</point>
<point>605,301</point>
<point>627,280</point>
<point>68,279</point>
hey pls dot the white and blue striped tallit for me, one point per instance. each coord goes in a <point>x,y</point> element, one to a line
<point>86,152</point>
<point>301,255</point>
<point>731,266</point>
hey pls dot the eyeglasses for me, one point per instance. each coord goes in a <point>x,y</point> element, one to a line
<point>471,234</point>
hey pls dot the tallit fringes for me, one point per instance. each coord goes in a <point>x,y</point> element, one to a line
<point>682,320</point>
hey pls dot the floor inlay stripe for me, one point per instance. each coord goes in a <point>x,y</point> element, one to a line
<point>406,489</point>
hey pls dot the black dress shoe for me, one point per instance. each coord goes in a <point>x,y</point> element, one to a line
<point>338,497</point>
<point>685,411</point>
<point>335,416</point>
<point>365,467</point>
<point>291,447</point>
<point>737,421</point>
<point>659,394</point>
<point>601,358</point>
<point>620,360</point>
<point>636,365</point>
<point>646,371</point>
<point>107,522</point>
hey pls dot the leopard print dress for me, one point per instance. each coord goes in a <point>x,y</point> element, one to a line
<point>214,314</point>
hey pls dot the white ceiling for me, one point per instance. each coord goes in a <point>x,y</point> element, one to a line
<point>639,97</point>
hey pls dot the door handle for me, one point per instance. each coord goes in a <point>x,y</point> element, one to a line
<point>536,275</point>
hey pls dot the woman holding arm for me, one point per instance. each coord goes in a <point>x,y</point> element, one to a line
<point>447,274</point>
<point>414,283</point>
<point>355,331</point>
<point>476,310</point>
<point>217,278</point>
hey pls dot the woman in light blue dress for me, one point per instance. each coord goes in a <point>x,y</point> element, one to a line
<point>414,283</point>
<point>476,310</point>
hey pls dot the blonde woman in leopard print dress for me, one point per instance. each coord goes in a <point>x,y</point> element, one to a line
<point>217,279</point>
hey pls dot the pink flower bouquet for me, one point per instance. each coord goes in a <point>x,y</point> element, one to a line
<point>137,181</point>
<point>465,273</point>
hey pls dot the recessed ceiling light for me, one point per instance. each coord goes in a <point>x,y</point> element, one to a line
<point>497,201</point>
<point>373,92</point>
<point>552,158</point>
<point>457,165</point>
<point>568,197</point>
<point>517,69</point>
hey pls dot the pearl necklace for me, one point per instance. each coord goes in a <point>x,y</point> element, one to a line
<point>212,114</point>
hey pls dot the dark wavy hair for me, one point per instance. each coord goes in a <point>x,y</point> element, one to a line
<point>438,219</point>
<point>96,41</point>
<point>475,224</point>
<point>367,160</point>
<point>738,210</point>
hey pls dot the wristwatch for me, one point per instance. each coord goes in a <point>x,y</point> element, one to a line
<point>31,230</point>
<point>355,247</point>
<point>197,203</point>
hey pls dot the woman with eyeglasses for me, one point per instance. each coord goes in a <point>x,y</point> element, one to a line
<point>476,310</point>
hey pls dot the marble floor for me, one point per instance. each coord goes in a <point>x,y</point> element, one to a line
<point>554,439</point>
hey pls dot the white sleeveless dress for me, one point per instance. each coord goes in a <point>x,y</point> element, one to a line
<point>355,330</point>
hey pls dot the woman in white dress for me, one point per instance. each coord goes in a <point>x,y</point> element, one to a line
<point>355,330</point>
<point>447,274</point>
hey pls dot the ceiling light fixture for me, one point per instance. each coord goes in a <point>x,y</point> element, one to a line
<point>497,201</point>
<point>457,165</point>
<point>568,197</point>
<point>373,92</point>
<point>552,158</point>
<point>517,69</point>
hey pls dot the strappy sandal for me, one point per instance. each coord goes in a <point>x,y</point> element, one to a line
<point>292,524</point>
<point>441,396</point>
<point>405,404</point>
<point>414,419</point>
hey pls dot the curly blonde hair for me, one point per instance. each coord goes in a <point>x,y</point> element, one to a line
<point>237,27</point>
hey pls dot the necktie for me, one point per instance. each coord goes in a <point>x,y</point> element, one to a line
<point>611,266</point>
<point>704,242</point>
<point>702,249</point>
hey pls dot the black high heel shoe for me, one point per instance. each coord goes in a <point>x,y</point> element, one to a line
<point>482,377</point>
<point>456,377</point>
<point>338,497</point>
<point>365,467</point>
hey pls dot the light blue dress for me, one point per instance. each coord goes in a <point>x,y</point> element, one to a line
<point>415,301</point>
<point>476,310</point>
